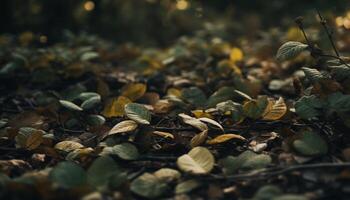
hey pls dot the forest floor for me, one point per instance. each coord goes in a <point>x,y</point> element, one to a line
<point>202,119</point>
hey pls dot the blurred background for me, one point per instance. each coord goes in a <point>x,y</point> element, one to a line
<point>158,22</point>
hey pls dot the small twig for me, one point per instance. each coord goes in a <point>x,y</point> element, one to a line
<point>278,171</point>
<point>329,33</point>
<point>335,57</point>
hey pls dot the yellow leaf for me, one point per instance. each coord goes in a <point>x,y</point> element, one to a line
<point>34,140</point>
<point>68,146</point>
<point>225,137</point>
<point>115,107</point>
<point>164,134</point>
<point>236,55</point>
<point>123,127</point>
<point>134,91</point>
<point>199,138</point>
<point>275,110</point>
<point>201,113</point>
<point>198,161</point>
<point>174,92</point>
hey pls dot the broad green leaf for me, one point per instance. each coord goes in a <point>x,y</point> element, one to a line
<point>247,160</point>
<point>68,174</point>
<point>223,94</point>
<point>198,161</point>
<point>312,74</point>
<point>255,108</point>
<point>290,50</point>
<point>96,120</point>
<point>149,186</point>
<point>91,103</point>
<point>101,171</point>
<point>194,96</point>
<point>311,144</point>
<point>308,107</point>
<point>87,95</point>
<point>267,192</point>
<point>138,113</point>
<point>186,186</point>
<point>70,105</point>
<point>125,151</point>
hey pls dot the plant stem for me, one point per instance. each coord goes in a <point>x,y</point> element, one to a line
<point>329,33</point>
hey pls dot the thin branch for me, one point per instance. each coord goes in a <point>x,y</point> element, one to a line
<point>329,33</point>
<point>278,171</point>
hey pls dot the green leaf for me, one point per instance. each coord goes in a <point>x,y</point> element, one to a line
<point>68,174</point>
<point>149,186</point>
<point>70,105</point>
<point>96,120</point>
<point>339,102</point>
<point>267,192</point>
<point>125,151</point>
<point>340,72</point>
<point>91,103</point>
<point>247,160</point>
<point>223,94</point>
<point>186,186</point>
<point>87,95</point>
<point>311,144</point>
<point>308,107</point>
<point>255,108</point>
<point>194,96</point>
<point>290,50</point>
<point>101,170</point>
<point>313,74</point>
<point>290,197</point>
<point>138,113</point>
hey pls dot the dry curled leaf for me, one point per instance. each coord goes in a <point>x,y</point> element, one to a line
<point>193,122</point>
<point>275,110</point>
<point>225,137</point>
<point>123,127</point>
